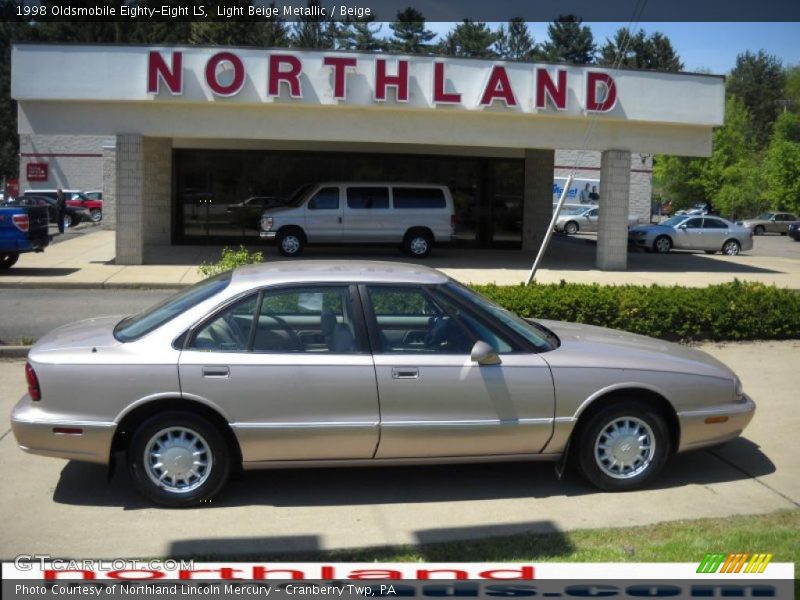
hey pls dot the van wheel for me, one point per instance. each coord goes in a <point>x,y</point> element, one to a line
<point>418,243</point>
<point>291,242</point>
<point>178,459</point>
<point>8,260</point>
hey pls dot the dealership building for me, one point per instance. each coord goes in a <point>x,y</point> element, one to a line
<point>176,137</point>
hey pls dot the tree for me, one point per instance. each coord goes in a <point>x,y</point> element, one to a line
<point>782,164</point>
<point>637,50</point>
<point>471,39</point>
<point>231,32</point>
<point>362,35</point>
<point>758,80</point>
<point>569,41</point>
<point>315,30</point>
<point>409,34</point>
<point>791,92</point>
<point>516,42</point>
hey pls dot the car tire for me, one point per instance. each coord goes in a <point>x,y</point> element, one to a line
<point>605,454</point>
<point>731,248</point>
<point>8,260</point>
<point>290,242</point>
<point>571,228</point>
<point>662,244</point>
<point>68,221</point>
<point>96,214</point>
<point>759,230</point>
<point>418,243</point>
<point>178,437</point>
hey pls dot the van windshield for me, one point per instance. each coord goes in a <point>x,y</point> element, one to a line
<point>299,195</point>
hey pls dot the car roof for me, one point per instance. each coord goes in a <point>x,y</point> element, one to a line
<point>334,271</point>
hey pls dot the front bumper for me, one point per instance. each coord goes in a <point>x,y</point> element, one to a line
<point>267,235</point>
<point>696,433</point>
<point>35,433</point>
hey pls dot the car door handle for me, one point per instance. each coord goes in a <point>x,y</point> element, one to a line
<point>219,372</point>
<point>405,373</point>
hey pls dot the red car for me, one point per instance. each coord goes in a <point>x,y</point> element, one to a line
<point>76,199</point>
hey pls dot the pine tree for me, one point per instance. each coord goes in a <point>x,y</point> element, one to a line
<point>516,42</point>
<point>314,31</point>
<point>569,41</point>
<point>637,50</point>
<point>470,38</point>
<point>758,80</point>
<point>409,34</point>
<point>364,37</point>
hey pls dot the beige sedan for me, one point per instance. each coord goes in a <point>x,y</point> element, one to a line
<point>353,363</point>
<point>770,222</point>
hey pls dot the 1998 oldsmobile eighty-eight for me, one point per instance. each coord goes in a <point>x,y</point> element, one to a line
<point>330,363</point>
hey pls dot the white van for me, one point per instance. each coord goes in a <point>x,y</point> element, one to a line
<point>414,215</point>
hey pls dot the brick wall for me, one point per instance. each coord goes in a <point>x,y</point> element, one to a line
<point>612,228</point>
<point>75,161</point>
<point>110,185</point>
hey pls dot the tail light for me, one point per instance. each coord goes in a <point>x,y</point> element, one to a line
<point>453,221</point>
<point>22,222</point>
<point>33,383</point>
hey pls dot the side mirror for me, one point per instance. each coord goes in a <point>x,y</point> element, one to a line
<point>682,226</point>
<point>483,354</point>
<point>772,219</point>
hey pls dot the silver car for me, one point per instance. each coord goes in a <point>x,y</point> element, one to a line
<point>334,363</point>
<point>573,219</point>
<point>688,232</point>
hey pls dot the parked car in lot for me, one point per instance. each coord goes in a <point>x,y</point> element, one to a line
<point>94,194</point>
<point>72,215</point>
<point>770,222</point>
<point>701,208</point>
<point>794,231</point>
<point>687,232</point>
<point>22,229</point>
<point>74,198</point>
<point>348,363</point>
<point>571,220</point>
<point>412,215</point>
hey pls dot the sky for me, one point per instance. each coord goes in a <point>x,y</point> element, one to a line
<point>701,46</point>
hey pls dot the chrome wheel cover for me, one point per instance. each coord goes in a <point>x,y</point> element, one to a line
<point>178,460</point>
<point>418,245</point>
<point>731,248</point>
<point>624,448</point>
<point>572,228</point>
<point>290,244</point>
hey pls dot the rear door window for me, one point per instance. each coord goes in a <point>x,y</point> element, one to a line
<point>415,198</point>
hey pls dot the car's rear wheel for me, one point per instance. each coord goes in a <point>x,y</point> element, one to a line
<point>67,221</point>
<point>662,245</point>
<point>623,446</point>
<point>96,214</point>
<point>178,459</point>
<point>418,243</point>
<point>731,248</point>
<point>8,260</point>
<point>290,242</point>
<point>571,228</point>
<point>759,230</point>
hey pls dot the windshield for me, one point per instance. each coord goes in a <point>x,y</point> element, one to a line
<point>572,210</point>
<point>299,194</point>
<point>673,221</point>
<point>134,327</point>
<point>543,339</point>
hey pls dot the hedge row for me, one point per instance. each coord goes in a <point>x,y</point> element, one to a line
<point>731,311</point>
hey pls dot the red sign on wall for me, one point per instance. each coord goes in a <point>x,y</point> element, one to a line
<point>36,171</point>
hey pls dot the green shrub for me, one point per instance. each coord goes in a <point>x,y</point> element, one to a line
<point>731,311</point>
<point>230,259</point>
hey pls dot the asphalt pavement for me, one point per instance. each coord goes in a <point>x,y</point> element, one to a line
<point>69,509</point>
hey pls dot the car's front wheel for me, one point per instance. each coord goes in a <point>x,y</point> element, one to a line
<point>96,214</point>
<point>571,228</point>
<point>623,446</point>
<point>67,221</point>
<point>662,245</point>
<point>731,248</point>
<point>178,459</point>
<point>290,242</point>
<point>759,230</point>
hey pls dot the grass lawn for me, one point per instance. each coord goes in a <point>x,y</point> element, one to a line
<point>777,533</point>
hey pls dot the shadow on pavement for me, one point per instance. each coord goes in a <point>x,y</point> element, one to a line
<point>87,484</point>
<point>43,272</point>
<point>308,548</point>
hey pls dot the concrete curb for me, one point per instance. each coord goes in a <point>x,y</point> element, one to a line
<point>14,351</point>
<point>90,285</point>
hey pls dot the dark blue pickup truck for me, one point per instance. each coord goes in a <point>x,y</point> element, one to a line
<point>22,229</point>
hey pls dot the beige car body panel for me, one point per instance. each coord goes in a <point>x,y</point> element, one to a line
<point>363,409</point>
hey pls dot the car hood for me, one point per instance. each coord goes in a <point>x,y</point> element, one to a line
<point>271,210</point>
<point>749,222</point>
<point>602,347</point>
<point>647,228</point>
<point>87,334</point>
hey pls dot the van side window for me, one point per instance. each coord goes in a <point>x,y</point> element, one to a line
<point>367,197</point>
<point>325,199</point>
<point>405,197</point>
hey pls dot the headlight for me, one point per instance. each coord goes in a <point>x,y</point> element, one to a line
<point>738,390</point>
<point>266,223</point>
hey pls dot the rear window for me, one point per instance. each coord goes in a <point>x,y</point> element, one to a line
<point>132,328</point>
<point>418,198</point>
<point>367,197</point>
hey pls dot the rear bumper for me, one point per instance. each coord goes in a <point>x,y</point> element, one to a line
<point>35,244</point>
<point>696,433</point>
<point>35,433</point>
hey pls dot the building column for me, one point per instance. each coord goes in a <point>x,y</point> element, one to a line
<point>110,185</point>
<point>612,229</point>
<point>129,199</point>
<point>537,210</point>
